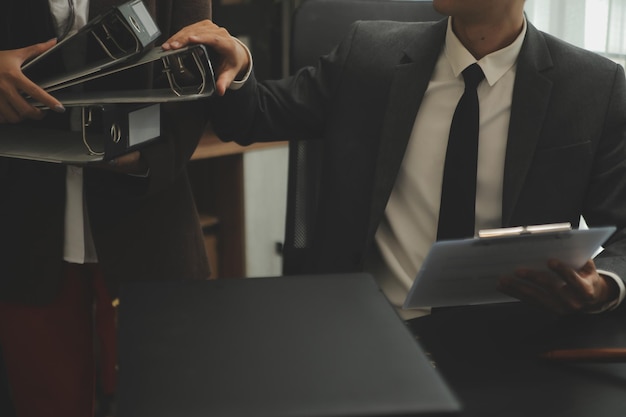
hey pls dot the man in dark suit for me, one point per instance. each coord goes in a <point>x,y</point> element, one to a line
<point>552,140</point>
<point>70,235</point>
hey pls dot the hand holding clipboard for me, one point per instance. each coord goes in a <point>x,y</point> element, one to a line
<point>465,272</point>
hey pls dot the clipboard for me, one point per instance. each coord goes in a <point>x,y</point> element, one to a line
<point>465,272</point>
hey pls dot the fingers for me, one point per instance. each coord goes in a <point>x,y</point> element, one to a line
<point>30,88</point>
<point>561,289</point>
<point>204,29</point>
<point>130,163</point>
<point>581,286</point>
<point>540,289</point>
<point>40,95</point>
<point>591,289</point>
<point>15,108</point>
<point>233,58</point>
<point>32,51</point>
<point>14,86</point>
<point>8,114</point>
<point>127,161</point>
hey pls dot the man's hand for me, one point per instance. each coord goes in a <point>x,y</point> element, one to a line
<point>564,292</point>
<point>234,60</point>
<point>130,163</point>
<point>13,83</point>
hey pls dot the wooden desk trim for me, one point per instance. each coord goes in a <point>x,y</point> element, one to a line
<point>210,146</point>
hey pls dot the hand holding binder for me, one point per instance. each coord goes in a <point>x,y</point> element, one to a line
<point>13,84</point>
<point>187,73</point>
<point>114,122</point>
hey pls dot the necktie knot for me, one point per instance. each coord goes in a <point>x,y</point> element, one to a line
<point>473,75</point>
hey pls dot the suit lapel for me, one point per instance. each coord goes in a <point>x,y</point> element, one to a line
<point>409,84</point>
<point>531,96</point>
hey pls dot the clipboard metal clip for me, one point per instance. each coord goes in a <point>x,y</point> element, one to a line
<point>524,230</point>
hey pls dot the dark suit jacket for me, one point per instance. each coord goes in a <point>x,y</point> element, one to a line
<point>143,228</point>
<point>566,152</point>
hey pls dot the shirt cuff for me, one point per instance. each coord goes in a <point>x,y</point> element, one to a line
<point>237,84</point>
<point>612,305</point>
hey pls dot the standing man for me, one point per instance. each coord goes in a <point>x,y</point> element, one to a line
<point>71,235</point>
<point>550,120</point>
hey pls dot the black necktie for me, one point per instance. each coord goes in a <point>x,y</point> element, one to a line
<point>458,191</point>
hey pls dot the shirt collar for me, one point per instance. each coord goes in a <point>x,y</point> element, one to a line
<point>494,65</point>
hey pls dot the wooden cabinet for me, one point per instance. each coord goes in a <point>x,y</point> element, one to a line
<point>216,175</point>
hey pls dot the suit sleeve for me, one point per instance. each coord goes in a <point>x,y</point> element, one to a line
<point>606,200</point>
<point>295,107</point>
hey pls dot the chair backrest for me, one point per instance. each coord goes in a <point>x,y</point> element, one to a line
<point>317,26</point>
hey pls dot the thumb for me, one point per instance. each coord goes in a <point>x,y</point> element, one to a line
<point>588,268</point>
<point>37,49</point>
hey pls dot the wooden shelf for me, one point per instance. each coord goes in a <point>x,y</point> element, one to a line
<point>210,146</point>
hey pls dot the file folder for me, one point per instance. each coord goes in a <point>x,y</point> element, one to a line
<point>187,74</point>
<point>109,131</point>
<point>465,271</point>
<point>121,33</point>
<point>114,121</point>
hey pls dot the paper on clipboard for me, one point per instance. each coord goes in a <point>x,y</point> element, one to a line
<point>465,272</point>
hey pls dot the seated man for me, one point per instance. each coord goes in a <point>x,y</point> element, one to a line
<point>551,130</point>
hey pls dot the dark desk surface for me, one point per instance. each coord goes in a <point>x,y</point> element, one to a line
<point>489,356</point>
<point>307,346</point>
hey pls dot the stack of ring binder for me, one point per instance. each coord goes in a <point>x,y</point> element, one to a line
<point>113,122</point>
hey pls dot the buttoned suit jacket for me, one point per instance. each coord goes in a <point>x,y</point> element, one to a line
<point>565,155</point>
<point>143,228</point>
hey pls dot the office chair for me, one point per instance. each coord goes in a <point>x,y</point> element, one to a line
<point>317,26</point>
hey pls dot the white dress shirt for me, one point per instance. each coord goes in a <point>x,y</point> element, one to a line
<point>409,227</point>
<point>78,243</point>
